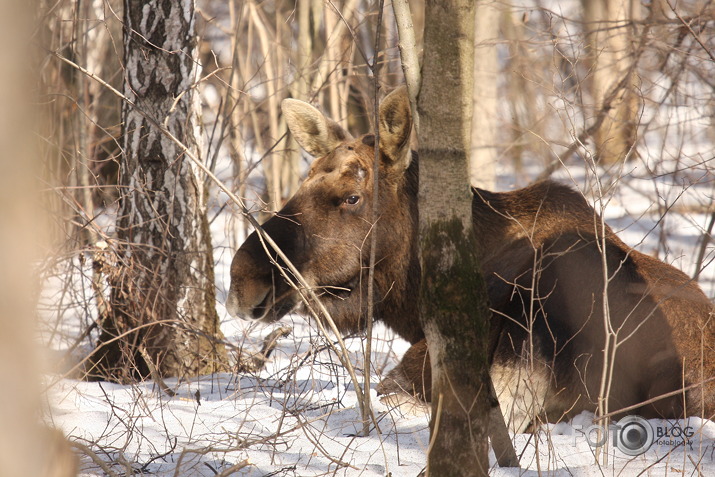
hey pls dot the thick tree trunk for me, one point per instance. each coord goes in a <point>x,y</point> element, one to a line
<point>453,300</point>
<point>165,286</point>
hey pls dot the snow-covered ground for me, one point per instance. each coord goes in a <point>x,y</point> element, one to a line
<point>299,417</point>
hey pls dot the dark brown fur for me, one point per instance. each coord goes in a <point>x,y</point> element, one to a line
<point>540,250</point>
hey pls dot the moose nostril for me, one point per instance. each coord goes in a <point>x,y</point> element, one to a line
<point>251,307</point>
<point>232,304</point>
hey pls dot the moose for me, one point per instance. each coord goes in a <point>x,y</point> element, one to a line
<point>574,310</point>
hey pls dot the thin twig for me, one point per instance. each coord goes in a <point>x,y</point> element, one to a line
<point>256,361</point>
<point>234,468</point>
<point>657,398</point>
<point>690,30</point>
<point>154,373</point>
<point>374,67</point>
<point>707,236</point>
<point>95,458</point>
<point>600,118</point>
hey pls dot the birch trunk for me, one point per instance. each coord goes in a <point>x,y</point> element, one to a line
<point>165,283</point>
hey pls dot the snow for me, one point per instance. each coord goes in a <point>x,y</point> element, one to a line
<point>307,423</point>
<point>297,414</point>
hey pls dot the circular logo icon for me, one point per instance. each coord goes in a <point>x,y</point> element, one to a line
<point>634,436</point>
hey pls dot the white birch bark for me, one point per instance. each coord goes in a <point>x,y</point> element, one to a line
<point>164,243</point>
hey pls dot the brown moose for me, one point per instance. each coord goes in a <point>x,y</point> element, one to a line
<point>543,254</point>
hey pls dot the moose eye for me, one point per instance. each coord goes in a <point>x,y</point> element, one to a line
<point>352,200</point>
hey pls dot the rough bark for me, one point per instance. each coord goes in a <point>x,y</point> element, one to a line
<point>453,301</point>
<point>165,283</point>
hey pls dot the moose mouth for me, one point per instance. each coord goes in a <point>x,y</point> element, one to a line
<point>273,307</point>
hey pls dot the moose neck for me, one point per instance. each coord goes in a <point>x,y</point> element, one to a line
<point>496,221</point>
<point>398,282</point>
<point>397,269</point>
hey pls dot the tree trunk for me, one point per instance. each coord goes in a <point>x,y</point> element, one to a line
<point>27,446</point>
<point>613,86</point>
<point>163,292</point>
<point>484,153</point>
<point>453,300</point>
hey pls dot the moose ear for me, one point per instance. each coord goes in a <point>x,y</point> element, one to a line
<point>396,127</point>
<point>314,132</point>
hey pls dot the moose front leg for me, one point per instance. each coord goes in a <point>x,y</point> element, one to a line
<point>413,375</point>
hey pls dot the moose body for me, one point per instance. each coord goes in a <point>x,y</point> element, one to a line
<point>556,278</point>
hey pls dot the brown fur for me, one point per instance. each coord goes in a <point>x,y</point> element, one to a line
<point>540,250</point>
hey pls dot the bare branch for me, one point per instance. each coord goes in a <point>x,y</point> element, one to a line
<point>408,53</point>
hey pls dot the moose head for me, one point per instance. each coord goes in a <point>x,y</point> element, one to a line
<point>324,229</point>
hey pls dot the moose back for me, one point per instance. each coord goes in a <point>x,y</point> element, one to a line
<point>576,312</point>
